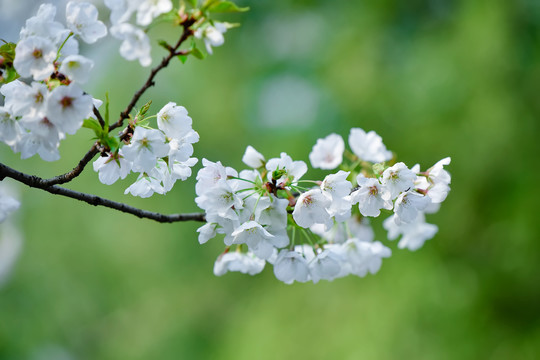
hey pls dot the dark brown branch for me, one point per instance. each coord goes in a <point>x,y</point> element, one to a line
<point>150,81</point>
<point>64,178</point>
<point>99,117</point>
<point>36,182</point>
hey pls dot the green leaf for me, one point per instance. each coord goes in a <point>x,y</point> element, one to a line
<point>164,45</point>
<point>106,129</point>
<point>197,53</point>
<point>93,124</point>
<point>183,58</point>
<point>10,74</point>
<point>7,51</point>
<point>226,6</point>
<point>112,143</point>
<point>142,112</point>
<point>192,3</point>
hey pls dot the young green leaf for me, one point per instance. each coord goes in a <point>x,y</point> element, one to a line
<point>93,124</point>
<point>226,6</point>
<point>182,58</point>
<point>197,53</point>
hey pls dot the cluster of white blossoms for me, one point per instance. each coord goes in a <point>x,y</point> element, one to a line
<point>135,42</point>
<point>307,229</point>
<point>37,115</point>
<point>49,103</point>
<point>161,156</point>
<point>267,214</point>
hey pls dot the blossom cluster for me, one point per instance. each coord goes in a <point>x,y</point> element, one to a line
<point>39,112</point>
<point>161,156</point>
<point>36,116</point>
<point>135,42</point>
<point>311,230</point>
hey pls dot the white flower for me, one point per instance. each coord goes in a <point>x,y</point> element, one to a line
<point>207,232</point>
<point>220,199</point>
<point>369,197</point>
<point>310,209</point>
<point>82,20</point>
<point>135,43</point>
<point>275,214</point>
<point>181,170</point>
<point>77,68</point>
<point>285,169</point>
<point>181,148</point>
<point>148,10</point>
<point>368,147</point>
<point>440,179</point>
<point>147,145</point>
<point>237,261</point>
<point>35,57</point>
<point>337,188</point>
<point>67,107</point>
<point>112,167</point>
<point>256,237</point>
<point>174,121</point>
<point>327,153</point>
<point>43,139</point>
<point>10,129</point>
<point>414,233</point>
<point>408,205</point>
<point>43,25</point>
<point>174,170</point>
<point>210,175</point>
<point>290,266</point>
<point>363,257</point>
<point>325,265</point>
<point>121,10</point>
<point>145,186</point>
<point>341,232</point>
<point>253,158</point>
<point>396,179</point>
<point>24,100</point>
<point>212,35</point>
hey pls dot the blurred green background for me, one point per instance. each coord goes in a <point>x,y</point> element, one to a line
<point>434,78</point>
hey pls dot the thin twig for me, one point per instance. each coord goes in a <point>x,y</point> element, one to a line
<point>99,117</point>
<point>36,182</point>
<point>77,170</point>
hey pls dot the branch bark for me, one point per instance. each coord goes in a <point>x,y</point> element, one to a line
<point>39,183</point>
<point>67,177</point>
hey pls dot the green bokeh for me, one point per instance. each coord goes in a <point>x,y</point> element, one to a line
<point>434,78</point>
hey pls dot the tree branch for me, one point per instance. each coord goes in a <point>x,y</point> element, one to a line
<point>77,170</point>
<point>39,183</point>
<point>64,178</point>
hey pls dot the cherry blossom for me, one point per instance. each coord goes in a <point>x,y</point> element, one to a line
<point>368,146</point>
<point>327,153</point>
<point>82,20</point>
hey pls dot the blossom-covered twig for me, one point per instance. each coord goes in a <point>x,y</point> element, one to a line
<point>36,182</point>
<point>67,177</point>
